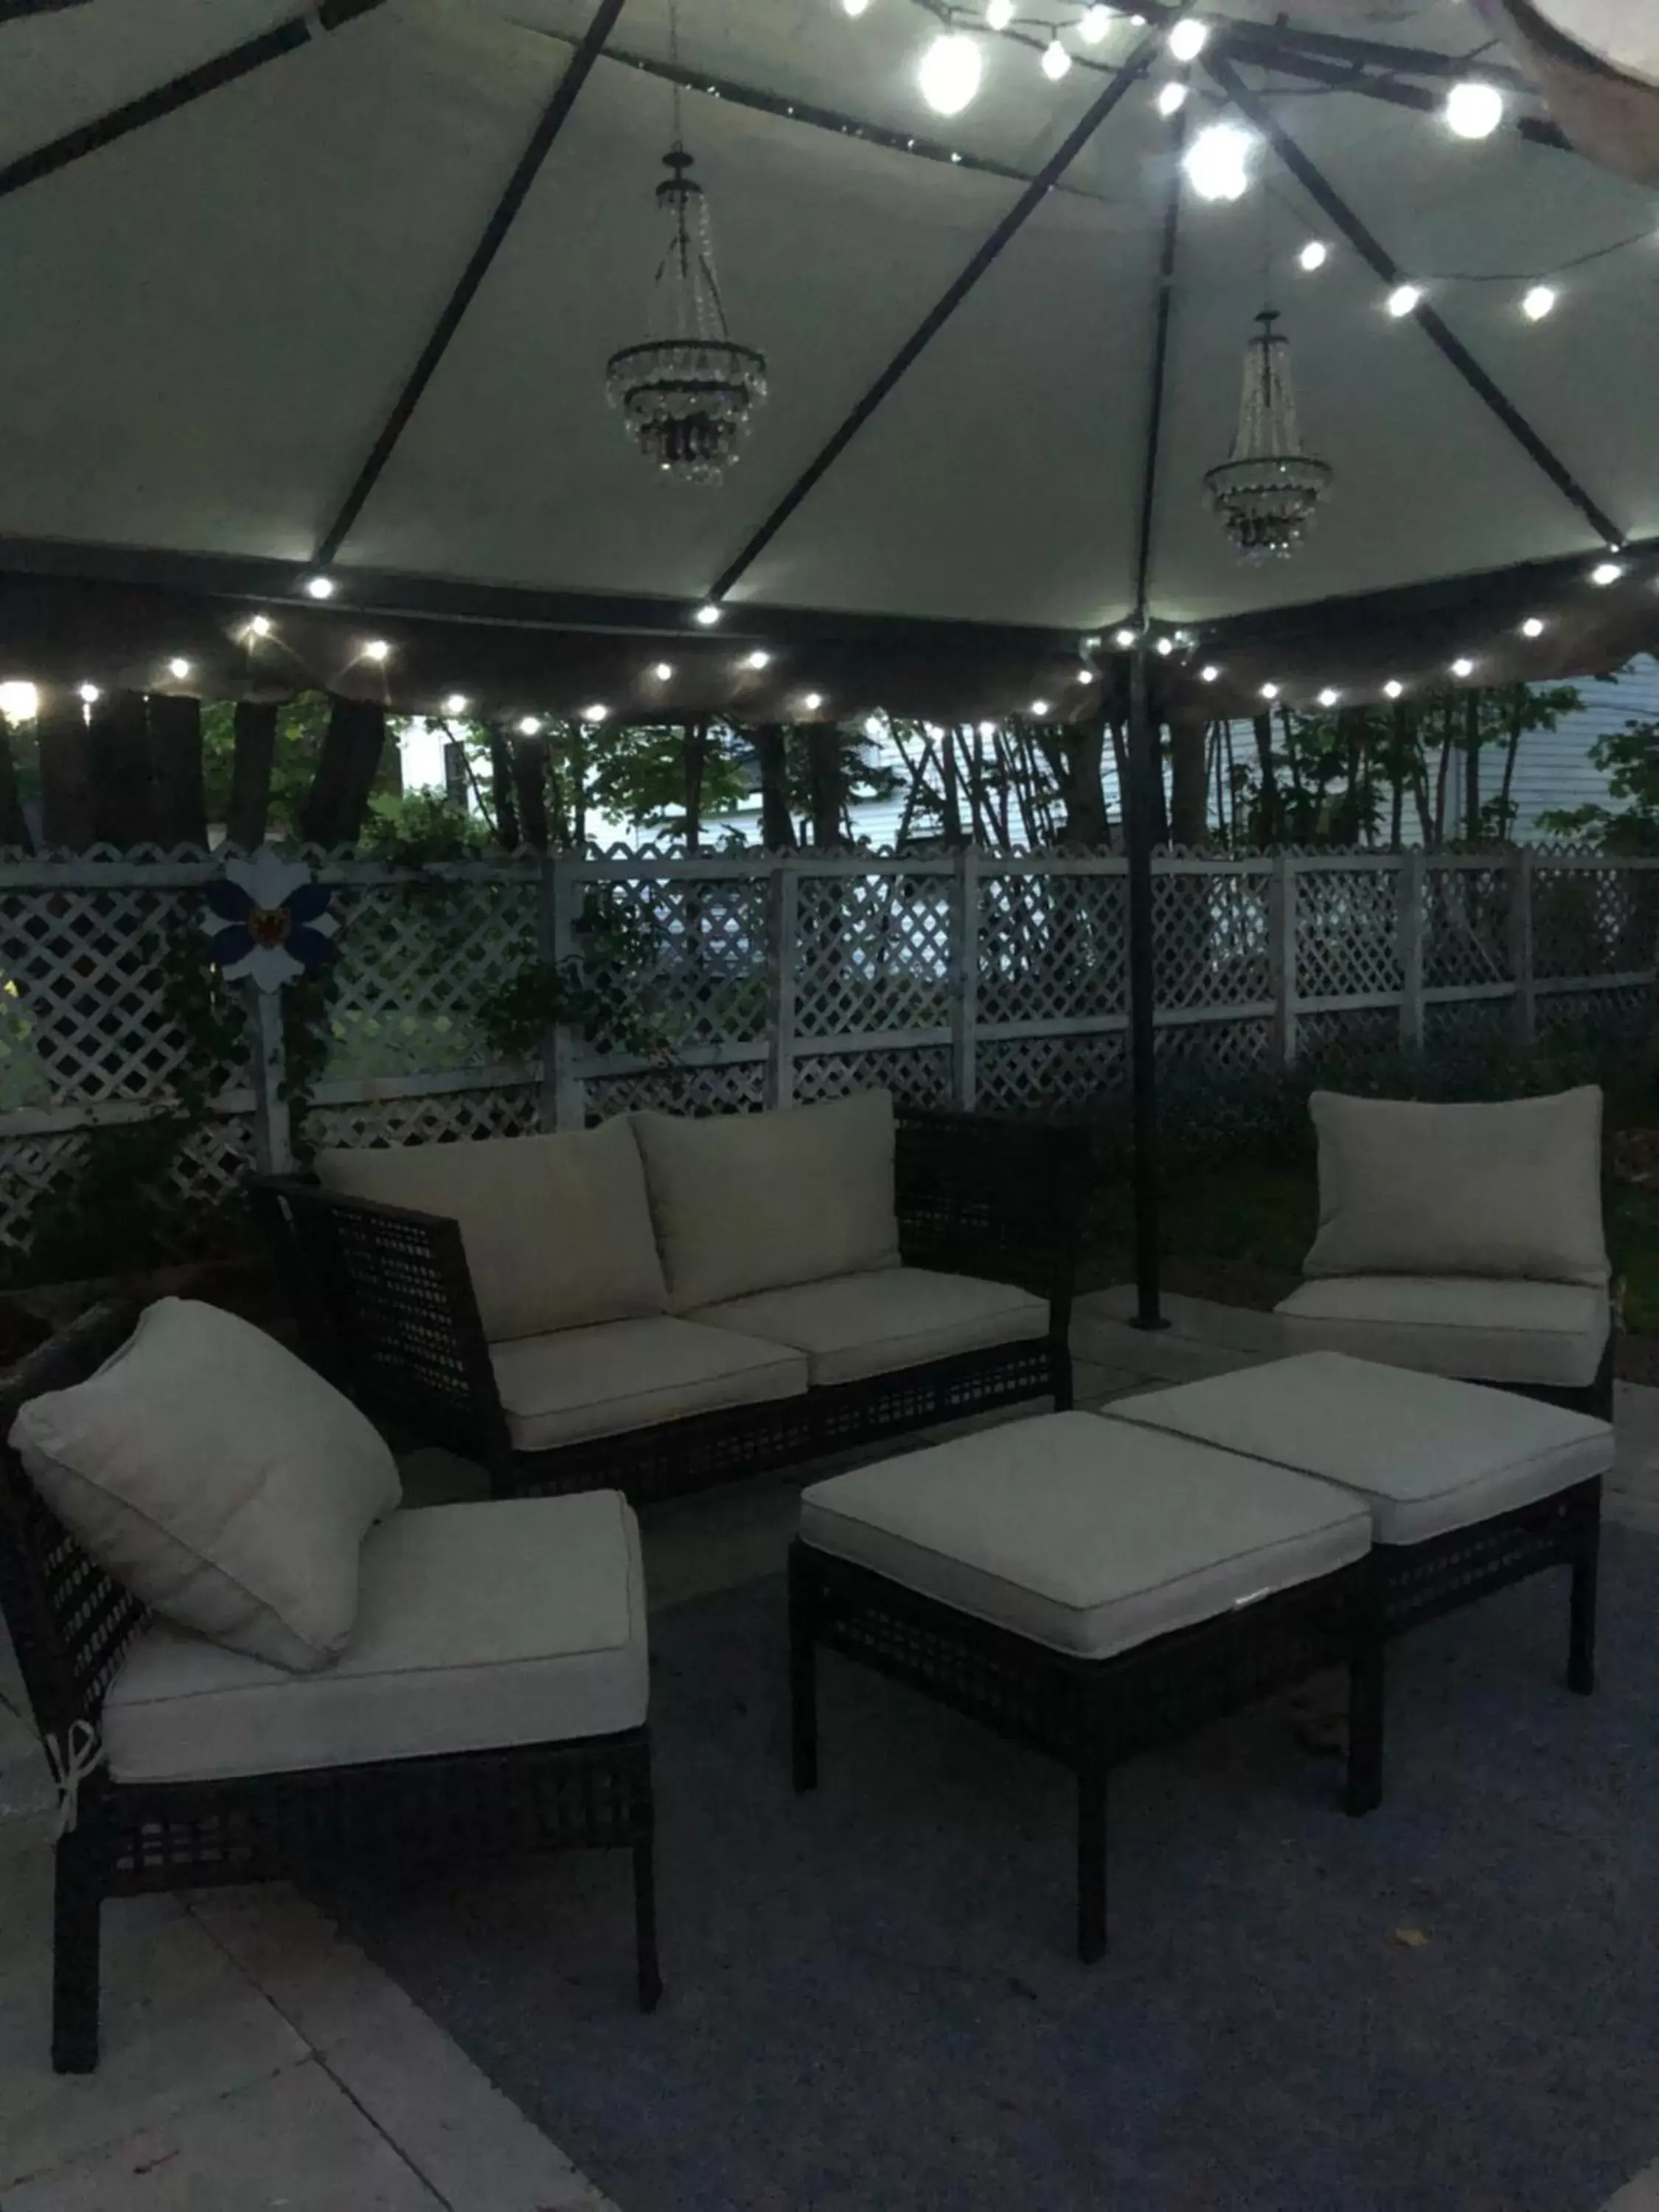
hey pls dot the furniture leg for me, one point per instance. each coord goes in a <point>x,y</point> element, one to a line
<point>1586,1565</point>
<point>804,1587</point>
<point>1091,1766</point>
<point>1367,1679</point>
<point>645,1923</point>
<point>1060,1359</point>
<point>76,1903</point>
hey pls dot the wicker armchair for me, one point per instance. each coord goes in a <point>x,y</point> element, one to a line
<point>74,1628</point>
<point>386,1308</point>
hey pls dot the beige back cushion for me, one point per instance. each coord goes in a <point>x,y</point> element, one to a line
<point>1513,1190</point>
<point>557,1229</point>
<point>752,1201</point>
<point>218,1477</point>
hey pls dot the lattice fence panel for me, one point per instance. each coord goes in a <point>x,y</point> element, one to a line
<point>1593,921</point>
<point>1477,1029</point>
<point>1346,932</point>
<point>917,1075</point>
<point>1465,935</point>
<point>679,1090</point>
<point>1027,1075</point>
<point>873,953</point>
<point>1210,938</point>
<point>1350,1036</point>
<point>415,962</point>
<point>688,957</point>
<point>1629,1014</point>
<point>1052,947</point>
<point>1226,1049</point>
<point>430,1118</point>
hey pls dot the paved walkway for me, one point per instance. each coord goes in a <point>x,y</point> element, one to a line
<point>252,2059</point>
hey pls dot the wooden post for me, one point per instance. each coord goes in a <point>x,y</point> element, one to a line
<point>964,978</point>
<point>1520,950</point>
<point>273,1145</point>
<point>1412,885</point>
<point>1281,957</point>
<point>563,1101</point>
<point>782,940</point>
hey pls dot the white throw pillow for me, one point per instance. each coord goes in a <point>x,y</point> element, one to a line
<point>1511,1189</point>
<point>556,1230</point>
<point>218,1478</point>
<point>753,1201</point>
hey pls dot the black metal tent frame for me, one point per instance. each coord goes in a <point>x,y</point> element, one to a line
<point>1400,74</point>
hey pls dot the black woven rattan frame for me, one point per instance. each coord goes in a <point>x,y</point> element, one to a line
<point>1089,1714</point>
<point>72,1625</point>
<point>386,1307</point>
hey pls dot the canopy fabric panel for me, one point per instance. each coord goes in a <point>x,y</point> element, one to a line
<point>211,316</point>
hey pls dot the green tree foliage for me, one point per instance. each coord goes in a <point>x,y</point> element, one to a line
<point>1629,758</point>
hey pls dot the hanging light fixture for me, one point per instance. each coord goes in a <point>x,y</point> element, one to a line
<point>688,393</point>
<point>1266,493</point>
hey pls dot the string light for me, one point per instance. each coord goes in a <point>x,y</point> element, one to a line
<point>1314,255</point>
<point>1166,647</point>
<point>89,695</point>
<point>1123,639</point>
<point>1039,706</point>
<point>20,701</point>
<point>456,703</point>
<point>1094,25</point>
<point>1607,573</point>
<point>377,649</point>
<point>319,588</point>
<point>853,7</point>
<point>1217,163</point>
<point>1270,690</point>
<point>1329,696</point>
<point>1403,299</point>
<point>1189,38</point>
<point>1172,97</point>
<point>1208,673</point>
<point>179,667</point>
<point>949,73</point>
<point>757,660</point>
<point>1055,60</point>
<point>1393,688</point>
<point>663,671</point>
<point>596,713</point>
<point>1473,109</point>
<point>707,615</point>
<point>529,727</point>
<point>1538,302</point>
<point>998,14</point>
<point>812,702</point>
<point>1462,667</point>
<point>259,626</point>
<point>1086,675</point>
<point>1532,627</point>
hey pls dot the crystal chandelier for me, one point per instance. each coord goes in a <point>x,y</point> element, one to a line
<point>1266,493</point>
<point>688,393</point>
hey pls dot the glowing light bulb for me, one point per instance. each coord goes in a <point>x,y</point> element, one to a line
<point>1171,98</point>
<point>1538,302</point>
<point>1055,61</point>
<point>1086,675</point>
<point>1329,696</point>
<point>529,727</point>
<point>1314,255</point>
<point>319,588</point>
<point>1532,627</point>
<point>1094,25</point>
<point>998,14</point>
<point>812,702</point>
<point>20,701</point>
<point>853,7</point>
<point>457,703</point>
<point>1607,573</point>
<point>1208,673</point>
<point>1270,690</point>
<point>1473,110</point>
<point>1189,38</point>
<point>377,649</point>
<point>1166,647</point>
<point>708,614</point>
<point>1463,666</point>
<point>89,695</point>
<point>596,713</point>
<point>1403,299</point>
<point>1123,639</point>
<point>1393,688</point>
<point>950,71</point>
<point>259,626</point>
<point>1039,706</point>
<point>757,660</point>
<point>663,671</point>
<point>1217,163</point>
<point>179,667</point>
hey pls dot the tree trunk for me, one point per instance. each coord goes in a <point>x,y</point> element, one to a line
<point>530,788</point>
<point>65,772</point>
<point>1505,802</point>
<point>500,790</point>
<point>1442,778</point>
<point>1472,768</point>
<point>1075,757</point>
<point>175,766</point>
<point>951,789</point>
<point>1270,813</point>
<point>247,812</point>
<point>335,808</point>
<point>1188,778</point>
<point>123,795</point>
<point>14,823</point>
<point>695,761</point>
<point>826,784</point>
<point>1401,747</point>
<point>771,744</point>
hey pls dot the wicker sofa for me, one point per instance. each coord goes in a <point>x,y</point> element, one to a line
<point>664,1303</point>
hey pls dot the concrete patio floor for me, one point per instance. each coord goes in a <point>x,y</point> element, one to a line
<point>253,2059</point>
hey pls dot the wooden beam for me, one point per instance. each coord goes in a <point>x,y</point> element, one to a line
<point>905,359</point>
<point>553,119</point>
<point>178,92</point>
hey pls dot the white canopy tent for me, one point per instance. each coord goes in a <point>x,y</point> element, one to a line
<point>232,232</point>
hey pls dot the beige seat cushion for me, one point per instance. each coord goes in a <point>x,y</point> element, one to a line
<point>557,1229</point>
<point>218,1477</point>
<point>1083,1536</point>
<point>1507,1189</point>
<point>479,1627</point>
<point>631,1375</point>
<point>1427,1455</point>
<point>748,1202</point>
<point>1483,1329</point>
<point>868,1324</point>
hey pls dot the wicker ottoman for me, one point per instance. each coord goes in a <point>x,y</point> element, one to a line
<point>1468,1488</point>
<point>1085,1589</point>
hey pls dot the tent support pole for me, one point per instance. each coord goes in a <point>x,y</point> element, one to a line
<point>1143,766</point>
